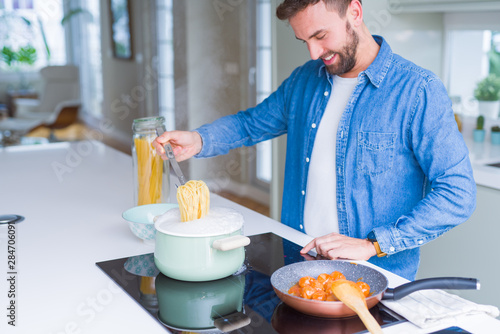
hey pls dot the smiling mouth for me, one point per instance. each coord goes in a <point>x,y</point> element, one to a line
<point>329,57</point>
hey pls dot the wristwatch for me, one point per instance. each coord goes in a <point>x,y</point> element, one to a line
<point>373,240</point>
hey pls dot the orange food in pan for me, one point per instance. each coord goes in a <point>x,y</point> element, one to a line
<point>321,288</point>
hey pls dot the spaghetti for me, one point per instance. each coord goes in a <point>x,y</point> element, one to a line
<point>149,172</point>
<point>194,200</point>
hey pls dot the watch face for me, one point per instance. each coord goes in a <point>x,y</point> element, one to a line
<point>371,237</point>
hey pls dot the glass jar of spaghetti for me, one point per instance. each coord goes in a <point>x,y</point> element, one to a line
<point>151,173</point>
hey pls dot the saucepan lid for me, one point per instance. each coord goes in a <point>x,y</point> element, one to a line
<point>218,221</point>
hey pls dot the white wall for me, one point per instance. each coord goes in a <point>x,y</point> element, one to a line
<point>417,36</point>
<point>124,94</point>
<point>215,81</point>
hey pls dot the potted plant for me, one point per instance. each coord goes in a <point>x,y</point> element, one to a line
<point>495,135</point>
<point>18,60</point>
<point>487,93</point>
<point>479,130</point>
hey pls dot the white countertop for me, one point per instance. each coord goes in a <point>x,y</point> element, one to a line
<point>72,196</point>
<point>482,154</point>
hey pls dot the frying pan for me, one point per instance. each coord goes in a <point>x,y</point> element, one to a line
<point>283,278</point>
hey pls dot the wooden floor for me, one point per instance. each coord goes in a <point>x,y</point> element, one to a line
<point>78,132</point>
<point>72,132</point>
<point>246,202</point>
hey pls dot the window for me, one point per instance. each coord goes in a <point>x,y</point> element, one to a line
<point>263,168</point>
<point>86,52</point>
<point>166,90</point>
<point>472,52</point>
<point>31,35</point>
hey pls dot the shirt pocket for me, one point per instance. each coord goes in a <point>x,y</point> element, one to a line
<point>375,152</point>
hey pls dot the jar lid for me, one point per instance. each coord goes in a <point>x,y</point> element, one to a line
<point>145,123</point>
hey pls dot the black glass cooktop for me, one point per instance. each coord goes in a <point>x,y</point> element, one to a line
<point>242,303</point>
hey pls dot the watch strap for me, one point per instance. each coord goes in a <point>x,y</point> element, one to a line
<point>373,240</point>
<point>377,248</point>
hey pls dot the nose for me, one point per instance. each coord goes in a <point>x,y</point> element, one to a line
<point>315,50</point>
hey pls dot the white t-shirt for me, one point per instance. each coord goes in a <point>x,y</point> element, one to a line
<point>320,212</point>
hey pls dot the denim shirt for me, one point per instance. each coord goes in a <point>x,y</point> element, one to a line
<point>403,169</point>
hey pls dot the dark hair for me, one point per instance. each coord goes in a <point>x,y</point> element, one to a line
<point>289,8</point>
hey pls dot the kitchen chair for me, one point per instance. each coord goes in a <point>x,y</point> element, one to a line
<point>60,83</point>
<point>66,113</point>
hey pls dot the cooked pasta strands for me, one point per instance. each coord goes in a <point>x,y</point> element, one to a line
<point>194,200</point>
<point>149,172</point>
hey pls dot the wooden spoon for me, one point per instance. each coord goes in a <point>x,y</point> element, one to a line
<point>347,292</point>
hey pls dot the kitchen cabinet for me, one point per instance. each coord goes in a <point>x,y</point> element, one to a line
<point>470,250</point>
<point>429,6</point>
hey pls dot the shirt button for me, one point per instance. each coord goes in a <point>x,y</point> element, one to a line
<point>307,159</point>
<point>313,125</point>
<point>326,93</point>
<point>420,242</point>
<point>301,226</point>
<point>392,249</point>
<point>303,192</point>
<point>341,134</point>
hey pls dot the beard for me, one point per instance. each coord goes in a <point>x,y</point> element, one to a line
<point>347,57</point>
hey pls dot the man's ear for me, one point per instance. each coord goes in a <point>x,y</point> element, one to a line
<point>355,13</point>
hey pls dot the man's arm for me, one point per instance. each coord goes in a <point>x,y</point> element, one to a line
<point>443,156</point>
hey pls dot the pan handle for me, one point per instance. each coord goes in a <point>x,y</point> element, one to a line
<point>454,283</point>
<point>230,243</point>
<point>232,322</point>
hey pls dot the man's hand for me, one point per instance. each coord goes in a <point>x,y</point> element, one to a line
<point>185,144</point>
<point>338,246</point>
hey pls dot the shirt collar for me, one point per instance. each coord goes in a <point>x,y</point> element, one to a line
<point>377,70</point>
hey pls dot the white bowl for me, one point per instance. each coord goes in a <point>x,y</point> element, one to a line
<point>140,219</point>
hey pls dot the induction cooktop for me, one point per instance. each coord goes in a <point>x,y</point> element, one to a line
<point>242,303</point>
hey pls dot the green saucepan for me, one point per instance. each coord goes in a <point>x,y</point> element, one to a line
<point>199,255</point>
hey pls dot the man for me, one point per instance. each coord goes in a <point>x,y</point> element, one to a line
<point>375,162</point>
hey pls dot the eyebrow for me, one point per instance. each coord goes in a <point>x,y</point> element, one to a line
<point>317,32</point>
